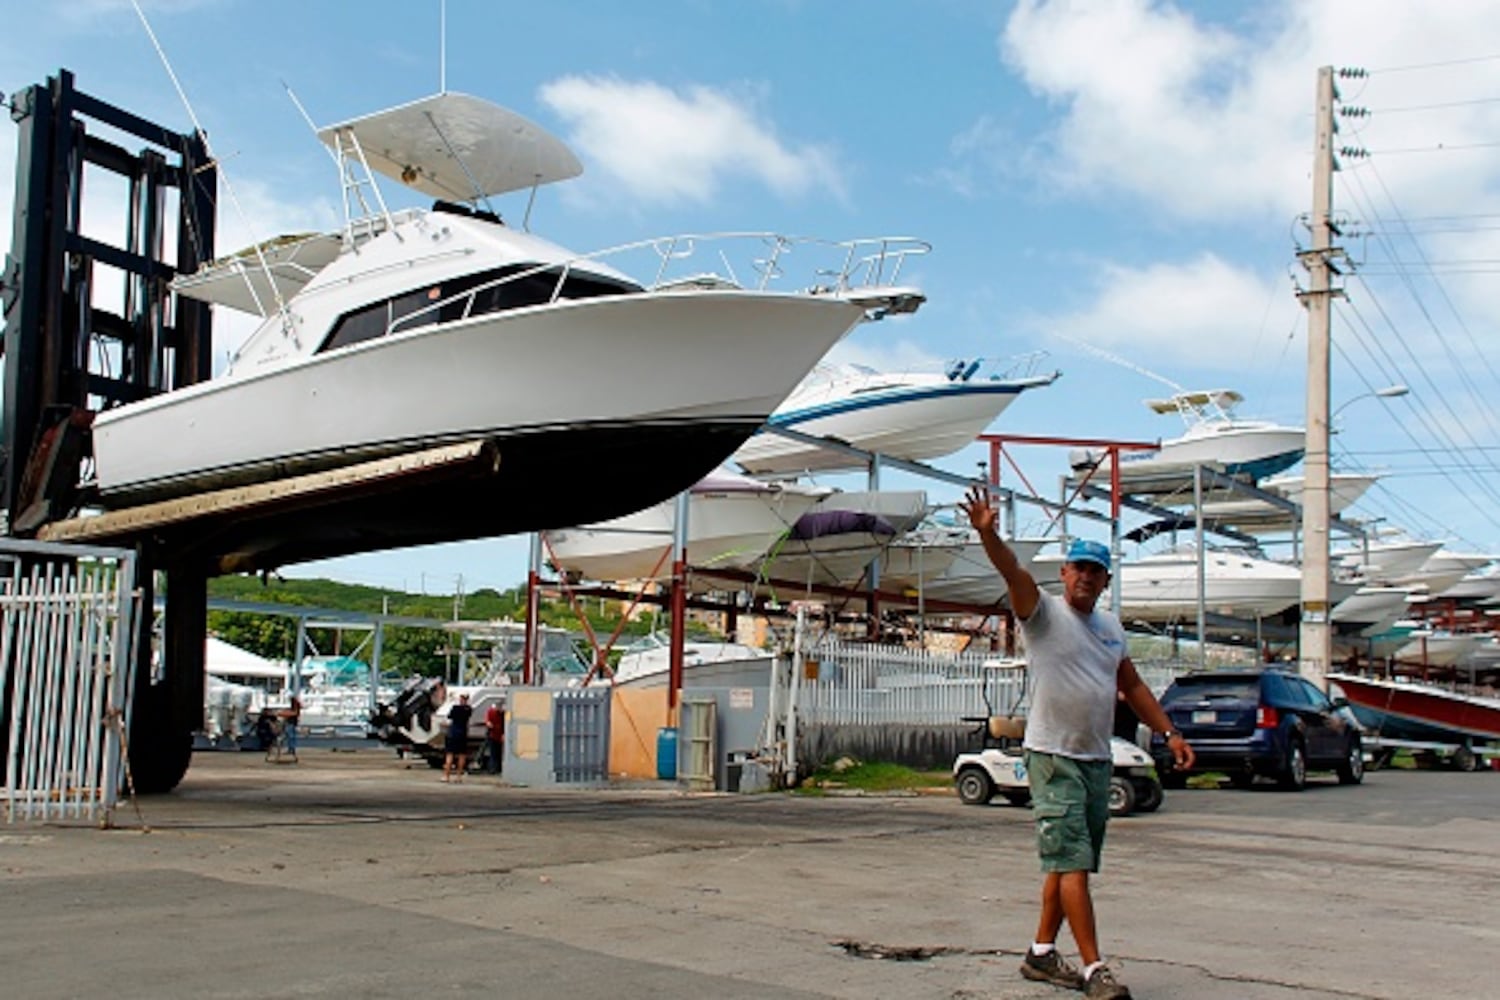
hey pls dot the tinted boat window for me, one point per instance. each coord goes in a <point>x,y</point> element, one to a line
<point>371,321</point>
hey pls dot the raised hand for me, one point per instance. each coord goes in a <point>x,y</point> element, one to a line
<point>977,506</point>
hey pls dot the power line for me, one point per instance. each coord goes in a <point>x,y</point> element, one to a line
<point>1413,67</point>
<point>1433,107</point>
<point>1442,147</point>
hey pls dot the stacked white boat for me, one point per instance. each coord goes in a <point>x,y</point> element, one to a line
<point>1344,489</point>
<point>913,416</point>
<point>950,564</point>
<point>1215,437</point>
<point>732,522</point>
<point>794,534</point>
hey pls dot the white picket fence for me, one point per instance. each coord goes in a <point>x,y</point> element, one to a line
<point>864,683</point>
<point>66,633</point>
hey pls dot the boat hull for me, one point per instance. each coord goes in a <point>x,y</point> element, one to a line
<point>729,530</point>
<point>842,559</point>
<point>1246,588</point>
<point>1419,712</point>
<point>1240,450</point>
<point>1443,650</point>
<point>1368,605</point>
<point>704,664</point>
<point>970,578</point>
<point>1344,488</point>
<point>915,425</point>
<point>540,373</point>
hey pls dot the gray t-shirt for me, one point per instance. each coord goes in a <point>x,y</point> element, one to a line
<point>1074,662</point>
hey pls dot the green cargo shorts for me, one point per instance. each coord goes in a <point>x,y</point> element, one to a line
<point>1070,799</point>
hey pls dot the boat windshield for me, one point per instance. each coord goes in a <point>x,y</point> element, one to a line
<point>501,289</point>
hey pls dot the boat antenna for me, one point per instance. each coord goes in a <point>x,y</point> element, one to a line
<point>310,123</point>
<point>286,322</point>
<point>479,196</point>
<point>1113,358</point>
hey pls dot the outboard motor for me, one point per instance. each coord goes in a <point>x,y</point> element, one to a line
<point>418,698</point>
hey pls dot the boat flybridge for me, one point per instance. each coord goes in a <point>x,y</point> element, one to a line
<point>1215,436</point>
<point>417,328</point>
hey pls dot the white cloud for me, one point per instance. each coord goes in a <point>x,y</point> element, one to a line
<point>1207,124</point>
<point>1205,313</point>
<point>666,146</point>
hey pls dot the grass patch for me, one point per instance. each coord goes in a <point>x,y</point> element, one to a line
<point>872,777</point>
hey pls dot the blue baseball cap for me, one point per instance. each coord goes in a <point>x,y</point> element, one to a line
<point>1083,550</point>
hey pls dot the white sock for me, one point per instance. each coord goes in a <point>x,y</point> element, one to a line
<point>1037,948</point>
<point>1088,970</point>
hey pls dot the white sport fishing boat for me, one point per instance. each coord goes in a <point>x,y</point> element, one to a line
<point>420,327</point>
<point>1215,437</point>
<point>913,416</point>
<point>732,521</point>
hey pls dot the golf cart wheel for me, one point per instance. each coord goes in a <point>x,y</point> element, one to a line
<point>1466,760</point>
<point>1148,794</point>
<point>1121,797</point>
<point>1018,796</point>
<point>974,786</point>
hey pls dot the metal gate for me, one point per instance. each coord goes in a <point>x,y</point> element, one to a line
<point>67,620</point>
<point>580,735</point>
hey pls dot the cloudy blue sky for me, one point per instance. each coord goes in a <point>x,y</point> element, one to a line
<point>1118,183</point>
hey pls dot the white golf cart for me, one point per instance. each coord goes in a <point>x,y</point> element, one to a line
<point>999,766</point>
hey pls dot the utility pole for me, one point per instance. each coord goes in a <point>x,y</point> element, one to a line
<point>1316,632</point>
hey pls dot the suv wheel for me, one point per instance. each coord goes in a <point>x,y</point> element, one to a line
<point>1351,770</point>
<point>1294,774</point>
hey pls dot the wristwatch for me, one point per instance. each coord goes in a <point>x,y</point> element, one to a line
<point>1166,737</point>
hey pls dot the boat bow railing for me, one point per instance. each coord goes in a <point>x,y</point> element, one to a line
<point>863,270</point>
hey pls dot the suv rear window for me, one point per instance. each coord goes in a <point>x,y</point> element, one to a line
<point>1239,688</point>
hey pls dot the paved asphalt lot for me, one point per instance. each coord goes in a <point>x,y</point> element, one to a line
<point>355,874</point>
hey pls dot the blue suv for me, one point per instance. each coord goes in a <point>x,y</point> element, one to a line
<point>1268,722</point>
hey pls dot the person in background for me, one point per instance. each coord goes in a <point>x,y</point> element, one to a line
<point>456,742</point>
<point>494,737</point>
<point>291,716</point>
<point>1078,666</point>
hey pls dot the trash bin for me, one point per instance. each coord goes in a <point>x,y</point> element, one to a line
<point>666,753</point>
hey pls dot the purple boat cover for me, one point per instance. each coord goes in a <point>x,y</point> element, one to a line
<point>817,523</point>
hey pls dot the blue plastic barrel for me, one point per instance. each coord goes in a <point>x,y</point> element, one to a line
<point>666,754</point>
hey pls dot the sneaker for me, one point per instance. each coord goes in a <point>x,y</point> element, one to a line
<point>1102,985</point>
<point>1051,968</point>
